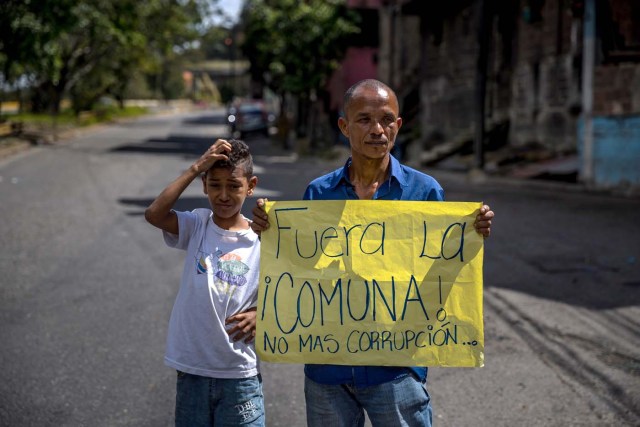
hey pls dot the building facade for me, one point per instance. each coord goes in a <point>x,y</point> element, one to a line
<point>516,69</point>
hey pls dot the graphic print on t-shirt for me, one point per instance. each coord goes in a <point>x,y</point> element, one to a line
<point>229,272</point>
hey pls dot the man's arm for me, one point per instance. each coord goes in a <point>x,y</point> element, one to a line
<point>260,220</point>
<point>483,221</point>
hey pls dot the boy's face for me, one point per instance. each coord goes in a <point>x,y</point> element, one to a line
<point>226,190</point>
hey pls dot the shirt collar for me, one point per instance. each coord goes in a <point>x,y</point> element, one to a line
<point>396,172</point>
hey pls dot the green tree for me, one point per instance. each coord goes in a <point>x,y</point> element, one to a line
<point>27,29</point>
<point>173,31</point>
<point>294,46</point>
<point>113,46</point>
<point>89,48</point>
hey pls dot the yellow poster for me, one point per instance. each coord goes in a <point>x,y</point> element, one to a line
<point>363,282</point>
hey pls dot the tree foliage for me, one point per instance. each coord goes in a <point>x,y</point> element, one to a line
<point>294,46</point>
<point>88,48</point>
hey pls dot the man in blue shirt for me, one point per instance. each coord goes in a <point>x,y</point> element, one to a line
<point>338,395</point>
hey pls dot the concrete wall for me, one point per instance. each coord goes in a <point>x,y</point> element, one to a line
<point>616,150</point>
<point>358,64</point>
<point>400,40</point>
<point>616,97</point>
<point>448,85</point>
<point>534,73</point>
<point>616,89</point>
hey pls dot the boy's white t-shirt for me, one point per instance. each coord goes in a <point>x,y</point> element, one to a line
<point>220,278</point>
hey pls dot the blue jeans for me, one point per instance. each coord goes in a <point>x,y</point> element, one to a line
<point>401,402</point>
<point>203,401</point>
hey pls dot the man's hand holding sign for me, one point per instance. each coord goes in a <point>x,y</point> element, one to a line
<point>371,283</point>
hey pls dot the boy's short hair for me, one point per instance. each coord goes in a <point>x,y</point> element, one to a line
<point>239,156</point>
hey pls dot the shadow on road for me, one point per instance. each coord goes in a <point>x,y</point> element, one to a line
<point>189,145</point>
<point>207,120</point>
<point>582,251</point>
<point>186,145</point>
<point>576,283</point>
<point>185,203</point>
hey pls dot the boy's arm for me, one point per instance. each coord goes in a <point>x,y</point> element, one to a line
<point>159,212</point>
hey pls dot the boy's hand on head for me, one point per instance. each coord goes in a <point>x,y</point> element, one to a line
<point>483,221</point>
<point>218,151</point>
<point>245,325</point>
<point>260,221</point>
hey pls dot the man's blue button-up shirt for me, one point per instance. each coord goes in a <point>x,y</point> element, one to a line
<point>404,183</point>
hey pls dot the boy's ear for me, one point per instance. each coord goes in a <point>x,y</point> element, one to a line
<point>204,183</point>
<point>253,182</point>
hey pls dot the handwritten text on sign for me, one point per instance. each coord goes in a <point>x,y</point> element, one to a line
<point>385,283</point>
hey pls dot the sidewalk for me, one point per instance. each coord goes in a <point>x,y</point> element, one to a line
<point>40,135</point>
<point>550,173</point>
<point>10,145</point>
<point>14,144</point>
<point>559,173</point>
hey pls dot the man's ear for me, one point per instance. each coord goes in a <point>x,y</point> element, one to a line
<point>344,126</point>
<point>204,183</point>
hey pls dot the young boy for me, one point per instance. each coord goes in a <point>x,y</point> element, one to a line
<point>218,380</point>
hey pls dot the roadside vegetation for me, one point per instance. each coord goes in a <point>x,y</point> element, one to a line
<point>82,52</point>
<point>69,118</point>
<point>77,62</point>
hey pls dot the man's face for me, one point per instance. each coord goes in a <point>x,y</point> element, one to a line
<point>371,122</point>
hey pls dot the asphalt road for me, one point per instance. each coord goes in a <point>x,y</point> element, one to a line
<point>87,287</point>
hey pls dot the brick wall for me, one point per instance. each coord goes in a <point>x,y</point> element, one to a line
<point>532,77</point>
<point>545,83</point>
<point>448,85</point>
<point>534,72</point>
<point>616,89</point>
<point>616,83</point>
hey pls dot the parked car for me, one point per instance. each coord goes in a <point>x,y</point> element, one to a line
<point>249,117</point>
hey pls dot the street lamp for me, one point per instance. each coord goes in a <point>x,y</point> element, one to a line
<point>232,72</point>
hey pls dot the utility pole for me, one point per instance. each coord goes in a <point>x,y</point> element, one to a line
<point>393,16</point>
<point>230,43</point>
<point>484,39</point>
<point>588,64</point>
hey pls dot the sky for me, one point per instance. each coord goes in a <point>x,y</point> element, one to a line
<point>231,7</point>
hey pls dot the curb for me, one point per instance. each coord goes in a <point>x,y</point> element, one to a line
<point>12,147</point>
<point>473,179</point>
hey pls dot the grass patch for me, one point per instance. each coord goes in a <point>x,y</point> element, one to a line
<point>67,118</point>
